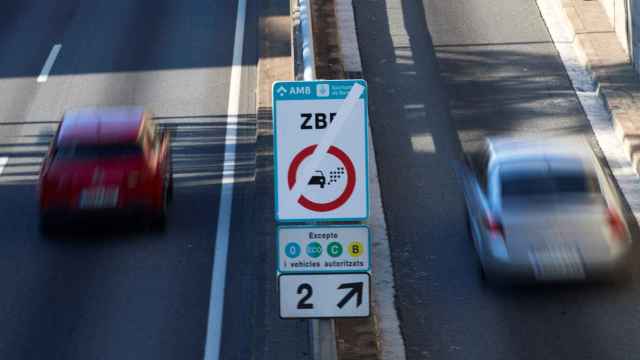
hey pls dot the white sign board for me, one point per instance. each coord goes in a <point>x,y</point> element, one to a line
<point>324,295</point>
<point>323,249</point>
<point>320,135</point>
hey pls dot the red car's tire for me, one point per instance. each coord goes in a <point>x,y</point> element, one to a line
<point>170,175</point>
<point>160,217</point>
<point>45,224</point>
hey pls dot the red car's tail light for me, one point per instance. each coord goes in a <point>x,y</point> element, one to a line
<point>48,183</point>
<point>62,182</point>
<point>133,179</point>
<point>50,189</point>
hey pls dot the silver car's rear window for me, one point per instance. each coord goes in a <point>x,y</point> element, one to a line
<point>545,180</point>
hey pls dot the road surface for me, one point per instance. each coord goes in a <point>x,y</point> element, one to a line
<point>118,291</point>
<point>442,75</point>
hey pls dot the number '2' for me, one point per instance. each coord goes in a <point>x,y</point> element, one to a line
<point>302,304</point>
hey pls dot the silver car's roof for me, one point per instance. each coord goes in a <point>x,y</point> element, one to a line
<point>504,150</point>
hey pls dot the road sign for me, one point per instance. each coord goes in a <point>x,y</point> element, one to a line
<point>324,295</point>
<point>304,249</point>
<point>320,142</point>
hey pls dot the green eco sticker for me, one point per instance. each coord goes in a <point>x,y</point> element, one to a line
<point>314,249</point>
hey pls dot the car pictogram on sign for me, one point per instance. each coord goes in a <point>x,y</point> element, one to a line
<point>346,193</point>
<point>318,179</point>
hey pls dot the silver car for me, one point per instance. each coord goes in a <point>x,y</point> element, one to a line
<point>545,211</point>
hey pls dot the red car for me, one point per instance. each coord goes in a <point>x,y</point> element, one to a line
<point>103,160</point>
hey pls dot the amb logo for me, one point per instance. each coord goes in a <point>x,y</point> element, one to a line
<point>300,90</point>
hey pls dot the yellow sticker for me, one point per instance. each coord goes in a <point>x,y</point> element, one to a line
<point>355,248</point>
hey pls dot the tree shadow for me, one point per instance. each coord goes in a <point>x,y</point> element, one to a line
<point>429,105</point>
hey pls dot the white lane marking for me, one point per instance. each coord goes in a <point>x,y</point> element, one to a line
<point>3,163</point>
<point>46,69</point>
<point>219,274</point>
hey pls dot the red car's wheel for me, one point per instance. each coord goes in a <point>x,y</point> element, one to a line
<point>45,224</point>
<point>160,217</point>
<point>170,175</point>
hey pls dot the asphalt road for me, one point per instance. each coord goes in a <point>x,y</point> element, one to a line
<point>116,290</point>
<point>442,75</point>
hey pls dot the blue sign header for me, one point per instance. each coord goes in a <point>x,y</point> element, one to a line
<point>315,90</point>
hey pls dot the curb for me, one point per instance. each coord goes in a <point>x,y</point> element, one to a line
<point>390,344</point>
<point>619,102</point>
<point>596,106</point>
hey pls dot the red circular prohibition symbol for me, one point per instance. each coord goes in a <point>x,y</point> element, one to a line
<point>348,190</point>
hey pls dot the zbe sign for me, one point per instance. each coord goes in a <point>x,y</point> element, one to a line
<point>320,142</point>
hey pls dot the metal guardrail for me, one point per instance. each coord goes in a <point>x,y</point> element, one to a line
<point>308,50</point>
<point>322,332</point>
<point>304,55</point>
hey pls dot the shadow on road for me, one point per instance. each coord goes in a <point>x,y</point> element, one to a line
<point>430,105</point>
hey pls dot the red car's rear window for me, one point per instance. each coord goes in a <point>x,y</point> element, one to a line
<point>73,152</point>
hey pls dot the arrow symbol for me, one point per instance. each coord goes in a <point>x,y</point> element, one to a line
<point>281,90</point>
<point>356,288</point>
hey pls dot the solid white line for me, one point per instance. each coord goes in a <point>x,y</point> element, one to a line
<point>219,273</point>
<point>46,69</point>
<point>3,162</point>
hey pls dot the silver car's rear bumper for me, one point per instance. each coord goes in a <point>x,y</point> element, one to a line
<point>505,270</point>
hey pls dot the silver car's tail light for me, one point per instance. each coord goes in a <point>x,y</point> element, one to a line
<point>493,225</point>
<point>616,225</point>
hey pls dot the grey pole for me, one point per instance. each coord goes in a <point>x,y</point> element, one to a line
<point>322,331</point>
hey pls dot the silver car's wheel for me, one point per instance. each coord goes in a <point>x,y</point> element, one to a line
<point>483,275</point>
<point>472,233</point>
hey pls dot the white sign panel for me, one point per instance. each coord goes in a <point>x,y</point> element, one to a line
<point>324,295</point>
<point>320,135</point>
<point>323,249</point>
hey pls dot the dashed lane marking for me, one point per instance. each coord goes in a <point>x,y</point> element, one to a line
<point>3,163</point>
<point>48,64</point>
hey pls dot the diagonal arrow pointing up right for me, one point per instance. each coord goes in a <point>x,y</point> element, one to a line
<point>356,288</point>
